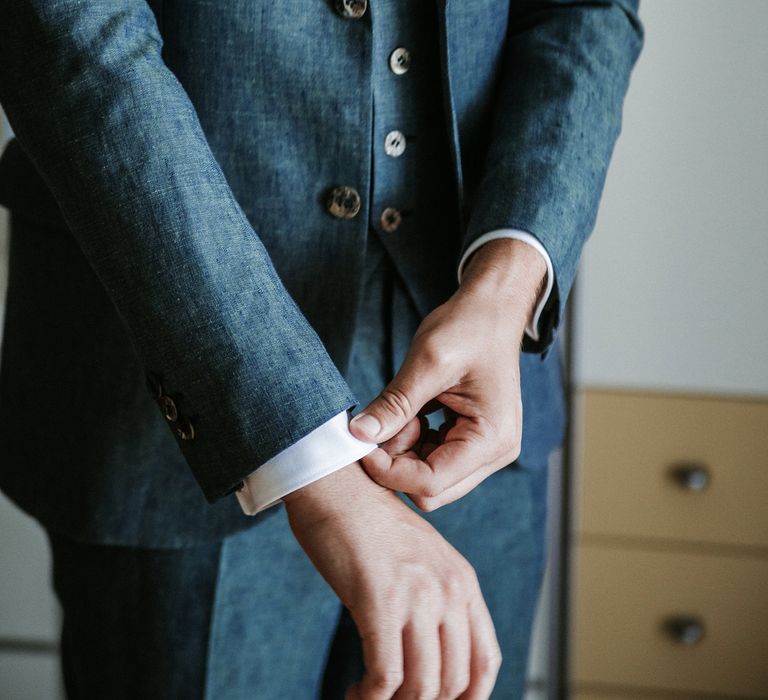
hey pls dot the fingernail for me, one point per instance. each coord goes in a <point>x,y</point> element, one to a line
<point>367,424</point>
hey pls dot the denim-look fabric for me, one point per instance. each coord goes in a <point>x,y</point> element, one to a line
<point>249,618</point>
<point>182,153</point>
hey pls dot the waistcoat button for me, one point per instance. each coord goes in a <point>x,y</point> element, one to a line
<point>400,60</point>
<point>343,202</point>
<point>390,219</point>
<point>394,143</point>
<point>351,9</point>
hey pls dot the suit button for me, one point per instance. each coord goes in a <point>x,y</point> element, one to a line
<point>351,9</point>
<point>168,406</point>
<point>390,219</point>
<point>343,202</point>
<point>184,428</point>
<point>394,143</point>
<point>400,60</point>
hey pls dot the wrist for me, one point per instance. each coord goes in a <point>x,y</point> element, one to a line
<point>508,272</point>
<point>335,493</point>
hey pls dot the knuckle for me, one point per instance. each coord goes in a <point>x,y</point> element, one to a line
<point>380,609</point>
<point>396,401</point>
<point>386,679</point>
<point>433,354</point>
<point>473,582</point>
<point>425,691</point>
<point>455,585</point>
<point>426,505</point>
<point>423,593</point>
<point>431,489</point>
<point>489,662</point>
<point>454,688</point>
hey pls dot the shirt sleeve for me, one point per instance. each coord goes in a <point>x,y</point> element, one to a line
<point>532,329</point>
<point>326,449</point>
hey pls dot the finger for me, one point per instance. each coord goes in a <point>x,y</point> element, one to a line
<point>412,387</point>
<point>445,426</point>
<point>464,450</point>
<point>402,472</point>
<point>457,491</point>
<point>383,659</point>
<point>485,657</point>
<point>406,439</point>
<point>455,650</point>
<point>466,445</point>
<point>426,449</point>
<point>421,659</point>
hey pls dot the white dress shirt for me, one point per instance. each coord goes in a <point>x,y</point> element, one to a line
<point>332,446</point>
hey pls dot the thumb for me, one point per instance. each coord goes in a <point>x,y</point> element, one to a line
<point>412,387</point>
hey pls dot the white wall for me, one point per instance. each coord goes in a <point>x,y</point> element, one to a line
<point>674,282</point>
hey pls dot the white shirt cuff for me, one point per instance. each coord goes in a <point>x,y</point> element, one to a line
<point>327,448</point>
<point>532,329</point>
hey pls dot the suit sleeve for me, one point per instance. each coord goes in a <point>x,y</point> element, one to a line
<point>116,139</point>
<point>556,117</point>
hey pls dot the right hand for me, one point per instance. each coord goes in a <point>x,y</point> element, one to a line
<point>425,628</point>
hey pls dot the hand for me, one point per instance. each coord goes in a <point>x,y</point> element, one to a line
<point>416,601</point>
<point>465,357</point>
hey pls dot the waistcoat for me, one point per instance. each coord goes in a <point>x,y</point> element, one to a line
<point>412,192</point>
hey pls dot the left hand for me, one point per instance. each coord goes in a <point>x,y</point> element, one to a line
<point>464,357</point>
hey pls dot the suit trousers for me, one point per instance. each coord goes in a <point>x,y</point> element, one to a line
<point>248,616</point>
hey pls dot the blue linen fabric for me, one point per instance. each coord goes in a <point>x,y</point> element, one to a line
<point>167,185</point>
<point>249,617</point>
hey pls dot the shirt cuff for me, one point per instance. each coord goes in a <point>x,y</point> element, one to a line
<point>327,448</point>
<point>532,329</point>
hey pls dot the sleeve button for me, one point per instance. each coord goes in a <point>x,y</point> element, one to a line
<point>154,385</point>
<point>168,406</point>
<point>184,428</point>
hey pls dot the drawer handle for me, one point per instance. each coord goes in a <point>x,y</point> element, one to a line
<point>685,629</point>
<point>691,476</point>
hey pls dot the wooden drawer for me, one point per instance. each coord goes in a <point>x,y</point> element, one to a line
<point>629,445</point>
<point>623,600</point>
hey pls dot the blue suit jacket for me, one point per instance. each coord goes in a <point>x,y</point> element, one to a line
<point>175,158</point>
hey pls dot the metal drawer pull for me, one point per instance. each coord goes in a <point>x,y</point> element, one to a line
<point>691,476</point>
<point>684,629</point>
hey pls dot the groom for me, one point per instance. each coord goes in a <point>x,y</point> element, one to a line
<point>230,225</point>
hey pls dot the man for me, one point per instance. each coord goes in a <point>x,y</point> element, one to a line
<point>249,216</point>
